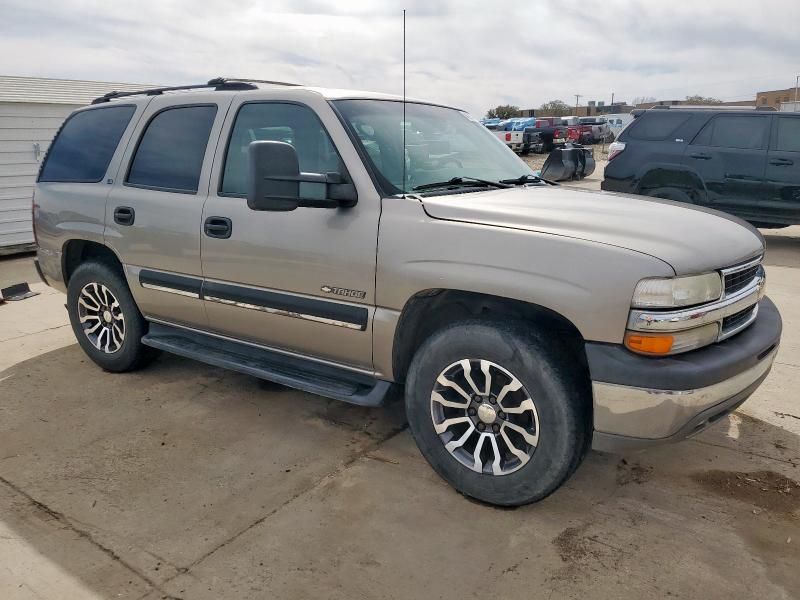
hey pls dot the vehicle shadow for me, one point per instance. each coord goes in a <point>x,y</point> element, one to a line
<point>127,482</point>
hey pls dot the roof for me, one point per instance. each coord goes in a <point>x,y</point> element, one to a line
<point>58,91</point>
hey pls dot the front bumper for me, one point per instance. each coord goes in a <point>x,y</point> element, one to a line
<point>640,401</point>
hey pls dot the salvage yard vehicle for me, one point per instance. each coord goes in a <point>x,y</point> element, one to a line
<point>744,162</point>
<point>351,244</point>
<point>546,134</point>
<point>599,129</point>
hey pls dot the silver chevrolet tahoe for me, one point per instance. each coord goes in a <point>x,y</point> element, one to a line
<point>350,244</point>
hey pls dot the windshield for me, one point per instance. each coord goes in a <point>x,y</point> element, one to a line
<point>441,144</point>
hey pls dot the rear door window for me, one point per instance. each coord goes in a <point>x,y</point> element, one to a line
<point>788,138</point>
<point>83,149</point>
<point>657,125</point>
<point>734,131</point>
<point>171,150</point>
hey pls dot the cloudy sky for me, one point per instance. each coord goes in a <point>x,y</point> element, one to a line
<point>470,54</point>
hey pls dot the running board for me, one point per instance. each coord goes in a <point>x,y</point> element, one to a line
<point>291,371</point>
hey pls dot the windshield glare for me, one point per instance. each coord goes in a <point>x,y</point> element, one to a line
<point>440,144</point>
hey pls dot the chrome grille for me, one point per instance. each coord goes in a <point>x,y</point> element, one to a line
<point>738,278</point>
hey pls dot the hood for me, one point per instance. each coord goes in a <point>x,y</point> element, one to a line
<point>689,238</point>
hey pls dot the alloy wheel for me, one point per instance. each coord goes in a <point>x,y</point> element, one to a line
<point>101,317</point>
<point>484,416</point>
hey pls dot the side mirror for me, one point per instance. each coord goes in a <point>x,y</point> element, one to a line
<point>274,180</point>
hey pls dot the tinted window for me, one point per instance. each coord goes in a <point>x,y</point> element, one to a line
<point>85,145</point>
<point>170,153</point>
<point>291,123</point>
<point>788,134</point>
<point>734,131</point>
<point>657,125</point>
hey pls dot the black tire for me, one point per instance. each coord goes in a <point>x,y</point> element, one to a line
<point>670,193</point>
<point>131,354</point>
<point>553,379</point>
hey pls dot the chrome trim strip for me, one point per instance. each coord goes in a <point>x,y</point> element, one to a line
<point>677,320</point>
<point>169,290</point>
<point>321,361</point>
<point>283,313</point>
<point>742,267</point>
<point>652,413</point>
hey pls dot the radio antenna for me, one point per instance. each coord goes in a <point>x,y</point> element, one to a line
<point>404,103</point>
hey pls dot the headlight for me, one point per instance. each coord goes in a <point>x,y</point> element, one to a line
<point>664,344</point>
<point>677,291</point>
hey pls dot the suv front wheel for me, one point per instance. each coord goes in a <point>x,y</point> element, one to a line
<point>105,319</point>
<point>499,410</point>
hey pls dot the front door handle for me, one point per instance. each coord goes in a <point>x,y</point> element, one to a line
<point>218,227</point>
<point>781,162</point>
<point>701,156</point>
<point>124,215</point>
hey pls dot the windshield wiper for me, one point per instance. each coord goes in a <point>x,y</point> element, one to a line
<point>461,181</point>
<point>527,178</point>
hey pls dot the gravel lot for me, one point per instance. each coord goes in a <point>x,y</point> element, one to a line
<point>187,481</point>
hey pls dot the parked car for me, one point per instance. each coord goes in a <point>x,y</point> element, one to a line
<point>353,246</point>
<point>546,134</point>
<point>743,162</point>
<point>618,121</point>
<point>598,128</point>
<point>505,130</point>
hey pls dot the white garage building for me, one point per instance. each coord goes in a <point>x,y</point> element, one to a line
<point>31,111</point>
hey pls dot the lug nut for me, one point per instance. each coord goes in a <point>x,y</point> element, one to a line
<point>501,414</point>
<point>496,428</point>
<point>492,400</point>
<point>481,426</point>
<point>471,412</point>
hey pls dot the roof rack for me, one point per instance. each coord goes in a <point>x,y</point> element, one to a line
<point>219,84</point>
<point>708,107</point>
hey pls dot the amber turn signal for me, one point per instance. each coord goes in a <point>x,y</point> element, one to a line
<point>649,344</point>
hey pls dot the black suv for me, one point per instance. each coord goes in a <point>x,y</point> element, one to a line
<point>744,162</point>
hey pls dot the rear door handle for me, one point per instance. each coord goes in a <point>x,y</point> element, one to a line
<point>701,156</point>
<point>218,227</point>
<point>781,162</point>
<point>124,215</point>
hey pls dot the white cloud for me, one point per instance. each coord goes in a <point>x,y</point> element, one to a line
<point>469,54</point>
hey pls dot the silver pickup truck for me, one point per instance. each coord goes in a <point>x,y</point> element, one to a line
<point>350,245</point>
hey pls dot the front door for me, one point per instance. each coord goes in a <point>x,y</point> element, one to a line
<point>301,281</point>
<point>730,154</point>
<point>783,170</point>
<point>154,211</point>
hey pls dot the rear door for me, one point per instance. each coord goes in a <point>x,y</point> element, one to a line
<point>154,212</point>
<point>730,155</point>
<point>783,170</point>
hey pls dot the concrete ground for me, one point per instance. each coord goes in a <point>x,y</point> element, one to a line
<point>186,481</point>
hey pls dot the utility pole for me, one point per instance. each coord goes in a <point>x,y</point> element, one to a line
<point>612,98</point>
<point>796,85</point>
<point>577,97</point>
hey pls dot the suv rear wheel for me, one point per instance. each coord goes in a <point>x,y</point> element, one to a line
<point>105,318</point>
<point>498,410</point>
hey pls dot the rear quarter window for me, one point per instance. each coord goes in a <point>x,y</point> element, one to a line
<point>788,139</point>
<point>83,148</point>
<point>656,125</point>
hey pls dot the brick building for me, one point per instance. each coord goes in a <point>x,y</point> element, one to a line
<point>775,97</point>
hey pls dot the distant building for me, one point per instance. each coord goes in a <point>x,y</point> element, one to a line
<point>31,111</point>
<point>774,98</point>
